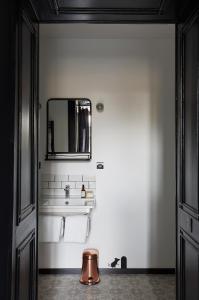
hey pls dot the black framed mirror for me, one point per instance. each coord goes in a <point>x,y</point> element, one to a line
<point>68,129</point>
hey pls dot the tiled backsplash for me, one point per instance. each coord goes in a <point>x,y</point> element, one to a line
<point>53,184</point>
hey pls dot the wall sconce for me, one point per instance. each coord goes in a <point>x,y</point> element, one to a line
<point>100,107</point>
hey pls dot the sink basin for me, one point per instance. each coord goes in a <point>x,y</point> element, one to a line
<point>62,206</point>
<point>63,202</point>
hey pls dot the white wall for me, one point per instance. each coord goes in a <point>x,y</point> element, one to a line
<point>134,137</point>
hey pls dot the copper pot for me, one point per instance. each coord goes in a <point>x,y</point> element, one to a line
<point>90,271</point>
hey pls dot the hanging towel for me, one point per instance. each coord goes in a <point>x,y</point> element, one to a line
<point>50,228</point>
<point>76,229</point>
<point>62,227</point>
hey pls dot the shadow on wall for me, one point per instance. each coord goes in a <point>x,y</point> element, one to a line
<point>162,163</point>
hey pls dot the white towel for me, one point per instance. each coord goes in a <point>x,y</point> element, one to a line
<point>76,229</point>
<point>62,227</point>
<point>50,228</point>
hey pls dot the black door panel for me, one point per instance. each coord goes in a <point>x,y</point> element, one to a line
<point>26,268</point>
<point>26,117</point>
<point>189,225</point>
<point>189,289</point>
<point>190,37</point>
<point>26,155</point>
<point>187,161</point>
<point>25,222</point>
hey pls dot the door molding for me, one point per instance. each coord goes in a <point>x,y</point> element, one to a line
<point>29,241</point>
<point>22,213</point>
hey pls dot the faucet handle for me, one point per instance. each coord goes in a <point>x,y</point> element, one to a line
<point>67,187</point>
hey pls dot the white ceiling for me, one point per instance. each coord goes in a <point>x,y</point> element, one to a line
<point>107,31</point>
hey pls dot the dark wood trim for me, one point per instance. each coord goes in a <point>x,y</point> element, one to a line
<point>161,9</point>
<point>187,208</point>
<point>88,19</point>
<point>111,271</point>
<point>104,11</point>
<point>54,4</point>
<point>32,4</point>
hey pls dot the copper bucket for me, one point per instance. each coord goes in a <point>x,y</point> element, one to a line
<point>90,271</point>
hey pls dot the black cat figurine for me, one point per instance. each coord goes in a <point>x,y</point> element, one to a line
<point>114,263</point>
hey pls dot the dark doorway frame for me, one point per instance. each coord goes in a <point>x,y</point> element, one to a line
<point>46,13</point>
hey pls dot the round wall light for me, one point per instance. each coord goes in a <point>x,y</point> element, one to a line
<point>100,107</point>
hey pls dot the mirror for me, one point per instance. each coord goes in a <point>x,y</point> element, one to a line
<point>68,129</point>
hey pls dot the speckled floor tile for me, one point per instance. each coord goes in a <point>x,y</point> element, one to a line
<point>111,287</point>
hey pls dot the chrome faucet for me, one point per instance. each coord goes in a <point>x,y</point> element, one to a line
<point>67,190</point>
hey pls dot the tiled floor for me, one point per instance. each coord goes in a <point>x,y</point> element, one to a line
<point>111,287</point>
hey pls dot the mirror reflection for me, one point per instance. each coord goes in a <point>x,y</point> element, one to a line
<point>69,129</point>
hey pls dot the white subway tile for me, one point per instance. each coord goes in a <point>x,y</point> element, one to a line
<point>47,192</point>
<point>90,194</point>
<point>93,190</point>
<point>71,184</point>
<point>79,185</point>
<point>54,185</point>
<point>75,192</point>
<point>59,192</point>
<point>61,177</point>
<point>44,184</point>
<point>47,177</point>
<point>89,178</point>
<point>75,177</point>
<point>92,185</point>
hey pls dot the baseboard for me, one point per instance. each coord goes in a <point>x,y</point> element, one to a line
<point>111,271</point>
<point>138,271</point>
<point>60,271</point>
